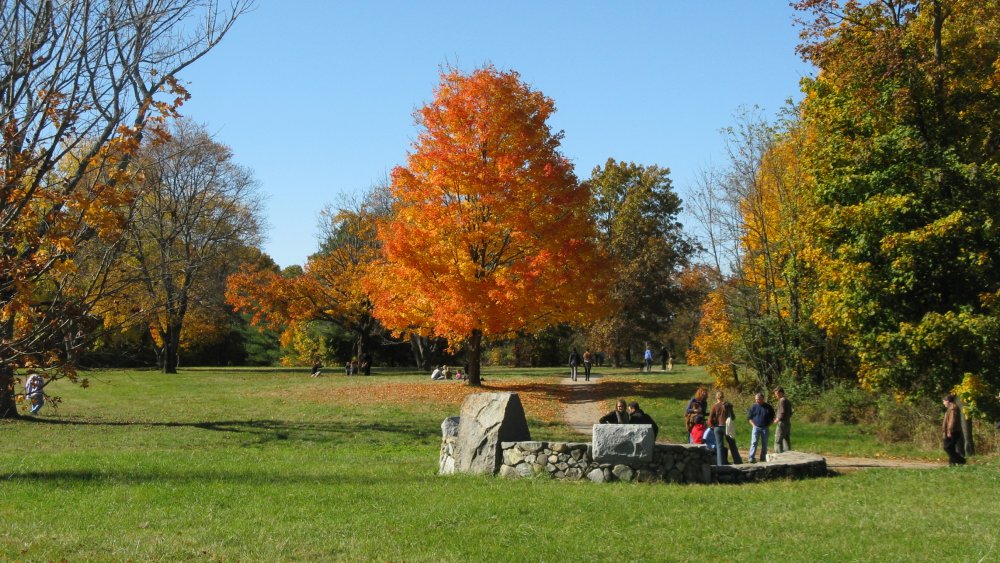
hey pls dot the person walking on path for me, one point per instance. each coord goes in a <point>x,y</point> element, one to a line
<point>783,422</point>
<point>588,360</point>
<point>951,428</point>
<point>34,390</point>
<point>617,416</point>
<point>574,361</point>
<point>717,421</point>
<point>637,416</point>
<point>761,416</point>
<point>648,358</point>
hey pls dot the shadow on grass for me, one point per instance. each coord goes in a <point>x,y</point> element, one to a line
<point>265,431</point>
<point>255,477</point>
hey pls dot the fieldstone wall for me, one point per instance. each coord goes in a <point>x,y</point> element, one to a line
<point>491,436</point>
<point>671,463</point>
<point>786,465</point>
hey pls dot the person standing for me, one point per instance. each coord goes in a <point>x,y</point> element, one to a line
<point>951,428</point>
<point>366,363</point>
<point>697,406</point>
<point>648,357</point>
<point>637,416</point>
<point>783,422</point>
<point>664,354</point>
<point>761,416</point>
<point>34,390</point>
<point>731,434</point>
<point>717,421</point>
<point>574,361</point>
<point>588,360</point>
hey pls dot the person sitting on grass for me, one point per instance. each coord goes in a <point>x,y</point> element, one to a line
<point>437,374</point>
<point>617,416</point>
<point>637,416</point>
<point>317,366</point>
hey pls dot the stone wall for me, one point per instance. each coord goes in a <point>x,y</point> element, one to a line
<point>492,437</point>
<point>671,463</point>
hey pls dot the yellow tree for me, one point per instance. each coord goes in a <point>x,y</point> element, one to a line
<point>489,231</point>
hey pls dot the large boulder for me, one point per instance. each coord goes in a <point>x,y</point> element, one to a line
<point>623,443</point>
<point>487,420</point>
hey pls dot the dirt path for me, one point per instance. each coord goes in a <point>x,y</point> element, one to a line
<point>581,413</point>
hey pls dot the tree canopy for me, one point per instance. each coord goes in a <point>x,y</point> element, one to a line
<point>489,231</point>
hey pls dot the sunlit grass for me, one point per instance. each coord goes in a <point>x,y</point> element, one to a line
<point>272,465</point>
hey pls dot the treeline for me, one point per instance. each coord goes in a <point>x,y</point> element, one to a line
<point>856,239</point>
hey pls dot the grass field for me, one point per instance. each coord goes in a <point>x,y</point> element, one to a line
<point>268,464</point>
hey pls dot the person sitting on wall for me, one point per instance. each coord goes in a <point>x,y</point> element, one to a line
<point>617,416</point>
<point>637,416</point>
<point>698,428</point>
<point>317,366</point>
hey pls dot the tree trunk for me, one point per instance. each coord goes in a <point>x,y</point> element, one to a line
<point>171,347</point>
<point>8,407</point>
<point>475,354</point>
<point>967,442</point>
<point>419,355</point>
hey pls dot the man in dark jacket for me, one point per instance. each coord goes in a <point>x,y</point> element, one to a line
<point>761,416</point>
<point>951,428</point>
<point>637,416</point>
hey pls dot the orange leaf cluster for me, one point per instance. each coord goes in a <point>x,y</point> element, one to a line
<point>489,230</point>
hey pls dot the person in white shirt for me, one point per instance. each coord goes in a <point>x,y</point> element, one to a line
<point>437,374</point>
<point>34,390</point>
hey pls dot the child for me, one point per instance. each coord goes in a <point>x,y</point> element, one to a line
<point>698,430</point>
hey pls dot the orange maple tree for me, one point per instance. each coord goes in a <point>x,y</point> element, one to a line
<point>489,232</point>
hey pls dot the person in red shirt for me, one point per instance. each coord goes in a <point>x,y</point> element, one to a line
<point>698,430</point>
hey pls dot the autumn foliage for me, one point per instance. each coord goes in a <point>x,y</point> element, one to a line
<point>489,231</point>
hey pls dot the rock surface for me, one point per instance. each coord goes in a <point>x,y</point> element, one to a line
<point>623,443</point>
<point>487,419</point>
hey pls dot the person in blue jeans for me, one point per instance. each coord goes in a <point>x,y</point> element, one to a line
<point>761,416</point>
<point>648,358</point>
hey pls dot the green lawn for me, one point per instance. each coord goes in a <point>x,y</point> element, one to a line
<point>272,465</point>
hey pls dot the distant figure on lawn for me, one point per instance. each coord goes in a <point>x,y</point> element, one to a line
<point>670,363</point>
<point>437,374</point>
<point>366,363</point>
<point>637,416</point>
<point>647,357</point>
<point>761,416</point>
<point>783,422</point>
<point>664,354</point>
<point>574,361</point>
<point>588,360</point>
<point>317,366</point>
<point>951,428</point>
<point>697,406</point>
<point>617,416</point>
<point>34,390</point>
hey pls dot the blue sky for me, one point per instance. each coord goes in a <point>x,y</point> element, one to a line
<point>317,96</point>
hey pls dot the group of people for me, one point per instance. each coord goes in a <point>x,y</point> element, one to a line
<point>715,427</point>
<point>629,413</point>
<point>575,360</point>
<point>443,372</point>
